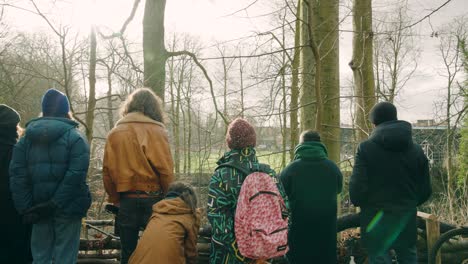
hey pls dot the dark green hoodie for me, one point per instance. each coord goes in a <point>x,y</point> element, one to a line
<point>312,183</point>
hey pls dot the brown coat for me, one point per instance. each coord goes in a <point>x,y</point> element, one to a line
<point>170,236</point>
<point>135,148</point>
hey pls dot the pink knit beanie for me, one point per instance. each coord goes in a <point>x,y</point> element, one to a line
<point>240,134</point>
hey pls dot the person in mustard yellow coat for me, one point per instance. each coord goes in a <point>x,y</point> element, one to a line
<point>138,165</point>
<point>171,234</point>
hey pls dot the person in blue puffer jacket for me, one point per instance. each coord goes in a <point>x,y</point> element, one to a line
<point>48,181</point>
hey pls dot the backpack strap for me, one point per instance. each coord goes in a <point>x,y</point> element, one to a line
<point>235,165</point>
<point>244,169</point>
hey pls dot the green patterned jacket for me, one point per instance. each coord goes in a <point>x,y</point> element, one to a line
<point>223,192</point>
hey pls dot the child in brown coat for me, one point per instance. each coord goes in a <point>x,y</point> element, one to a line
<point>171,234</point>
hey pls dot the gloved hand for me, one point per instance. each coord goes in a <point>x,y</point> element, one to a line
<point>45,210</point>
<point>39,212</point>
<point>30,218</point>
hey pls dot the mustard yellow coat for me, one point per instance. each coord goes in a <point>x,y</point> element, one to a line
<point>137,157</point>
<point>170,236</point>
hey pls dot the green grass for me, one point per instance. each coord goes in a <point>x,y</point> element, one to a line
<point>208,162</point>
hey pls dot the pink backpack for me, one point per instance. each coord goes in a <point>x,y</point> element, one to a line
<point>261,222</point>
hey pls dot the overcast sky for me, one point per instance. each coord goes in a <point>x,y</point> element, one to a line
<point>211,21</point>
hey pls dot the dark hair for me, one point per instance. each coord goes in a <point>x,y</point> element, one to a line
<point>145,101</point>
<point>186,193</point>
<point>383,112</point>
<point>309,135</point>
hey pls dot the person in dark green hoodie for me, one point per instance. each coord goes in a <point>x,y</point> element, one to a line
<point>312,183</point>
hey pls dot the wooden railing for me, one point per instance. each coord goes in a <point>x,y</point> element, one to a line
<point>432,232</point>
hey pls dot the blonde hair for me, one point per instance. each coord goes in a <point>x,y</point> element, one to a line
<point>20,131</point>
<point>186,193</point>
<point>145,101</point>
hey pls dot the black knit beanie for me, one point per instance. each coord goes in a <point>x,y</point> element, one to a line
<point>383,112</point>
<point>8,116</point>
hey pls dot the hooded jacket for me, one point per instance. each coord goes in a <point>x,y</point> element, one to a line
<point>8,138</point>
<point>170,236</point>
<point>50,163</point>
<point>224,188</point>
<point>312,183</point>
<point>137,157</point>
<point>390,171</point>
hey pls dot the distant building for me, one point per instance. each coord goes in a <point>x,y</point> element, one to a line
<point>427,133</point>
<point>425,123</point>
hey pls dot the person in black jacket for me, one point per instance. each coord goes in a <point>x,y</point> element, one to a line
<point>390,179</point>
<point>17,234</point>
<point>312,183</point>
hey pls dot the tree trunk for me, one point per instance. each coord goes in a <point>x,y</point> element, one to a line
<point>189,122</point>
<point>176,135</point>
<point>241,75</point>
<point>294,124</point>
<point>307,67</point>
<point>325,22</point>
<point>110,113</point>
<point>154,50</point>
<point>92,87</point>
<point>173,111</point>
<point>225,77</point>
<point>361,65</point>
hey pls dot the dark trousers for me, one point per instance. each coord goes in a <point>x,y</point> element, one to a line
<point>17,246</point>
<point>382,230</point>
<point>405,255</point>
<point>134,214</point>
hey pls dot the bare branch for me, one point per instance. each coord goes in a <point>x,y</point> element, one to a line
<point>194,58</point>
<point>125,24</point>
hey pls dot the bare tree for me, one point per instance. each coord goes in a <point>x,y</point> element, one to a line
<point>451,52</point>
<point>395,53</point>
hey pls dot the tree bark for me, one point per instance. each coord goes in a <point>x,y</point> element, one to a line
<point>361,65</point>
<point>325,22</point>
<point>307,68</point>
<point>293,107</point>
<point>154,50</point>
<point>92,87</point>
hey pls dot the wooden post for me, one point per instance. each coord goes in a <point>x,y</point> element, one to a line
<point>84,229</point>
<point>432,232</point>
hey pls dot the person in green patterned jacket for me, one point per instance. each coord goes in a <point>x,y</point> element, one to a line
<point>224,190</point>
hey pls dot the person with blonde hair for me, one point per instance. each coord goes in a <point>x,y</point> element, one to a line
<point>171,234</point>
<point>138,165</point>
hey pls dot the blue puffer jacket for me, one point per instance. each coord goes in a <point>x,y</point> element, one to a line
<point>50,163</point>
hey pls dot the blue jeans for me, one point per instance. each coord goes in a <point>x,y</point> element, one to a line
<point>405,255</point>
<point>56,240</point>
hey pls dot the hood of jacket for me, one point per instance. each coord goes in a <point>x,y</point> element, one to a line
<point>172,206</point>
<point>137,117</point>
<point>48,129</point>
<point>394,136</point>
<point>244,155</point>
<point>311,150</point>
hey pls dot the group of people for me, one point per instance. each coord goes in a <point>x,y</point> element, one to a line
<point>45,194</point>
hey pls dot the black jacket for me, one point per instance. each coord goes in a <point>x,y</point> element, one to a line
<point>13,230</point>
<point>390,178</point>
<point>390,171</point>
